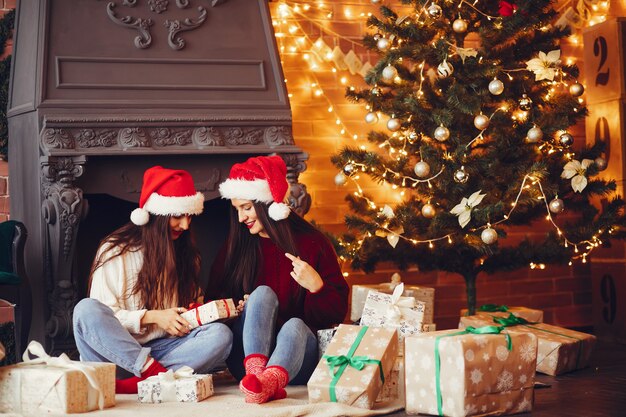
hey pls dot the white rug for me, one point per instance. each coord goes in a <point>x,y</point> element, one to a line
<point>229,402</point>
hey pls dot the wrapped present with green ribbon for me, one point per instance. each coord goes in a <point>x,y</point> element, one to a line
<point>501,310</point>
<point>560,350</point>
<point>475,371</point>
<point>354,367</point>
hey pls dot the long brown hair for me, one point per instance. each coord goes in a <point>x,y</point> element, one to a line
<point>243,250</point>
<point>169,266</point>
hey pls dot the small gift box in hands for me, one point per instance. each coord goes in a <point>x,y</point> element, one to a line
<point>210,312</point>
<point>182,386</point>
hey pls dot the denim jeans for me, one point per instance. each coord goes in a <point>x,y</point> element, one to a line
<point>100,337</point>
<point>294,347</point>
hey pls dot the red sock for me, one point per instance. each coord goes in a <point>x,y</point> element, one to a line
<point>129,385</point>
<point>255,363</point>
<point>267,386</point>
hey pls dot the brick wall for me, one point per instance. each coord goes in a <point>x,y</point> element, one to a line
<point>563,292</point>
<point>5,6</point>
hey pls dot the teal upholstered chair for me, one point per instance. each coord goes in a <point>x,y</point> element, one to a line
<point>14,284</point>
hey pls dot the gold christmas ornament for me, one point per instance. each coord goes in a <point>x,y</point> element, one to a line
<point>434,11</point>
<point>601,163</point>
<point>371,117</point>
<point>576,89</point>
<point>393,124</point>
<point>556,206</point>
<point>441,133</point>
<point>525,103</point>
<point>489,236</point>
<point>496,87</point>
<point>459,25</point>
<point>481,122</point>
<point>445,69</point>
<point>422,169</point>
<point>428,211</point>
<point>566,140</point>
<point>461,176</point>
<point>534,135</point>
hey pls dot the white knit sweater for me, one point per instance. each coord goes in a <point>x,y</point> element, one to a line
<point>112,284</point>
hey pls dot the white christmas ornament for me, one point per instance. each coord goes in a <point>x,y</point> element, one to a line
<point>340,179</point>
<point>422,169</point>
<point>556,206</point>
<point>461,176</point>
<point>481,122</point>
<point>371,117</point>
<point>445,69</point>
<point>534,135</point>
<point>383,44</point>
<point>393,124</point>
<point>576,89</point>
<point>389,73</point>
<point>576,170</point>
<point>489,236</point>
<point>566,140</point>
<point>434,11</point>
<point>459,25</point>
<point>464,208</point>
<point>496,87</point>
<point>428,211</point>
<point>441,133</point>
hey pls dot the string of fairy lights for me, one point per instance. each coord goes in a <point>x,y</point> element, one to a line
<point>293,39</point>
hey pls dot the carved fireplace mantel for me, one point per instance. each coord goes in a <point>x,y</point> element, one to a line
<point>101,90</point>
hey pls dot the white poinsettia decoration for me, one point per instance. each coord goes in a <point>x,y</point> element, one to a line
<point>466,52</point>
<point>392,235</point>
<point>388,212</point>
<point>576,170</point>
<point>545,65</point>
<point>464,208</point>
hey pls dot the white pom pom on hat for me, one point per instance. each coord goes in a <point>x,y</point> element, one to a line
<point>262,179</point>
<point>167,192</point>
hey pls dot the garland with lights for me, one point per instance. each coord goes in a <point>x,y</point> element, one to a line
<point>478,104</point>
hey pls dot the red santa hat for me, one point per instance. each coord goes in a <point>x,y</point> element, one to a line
<point>262,179</point>
<point>167,192</point>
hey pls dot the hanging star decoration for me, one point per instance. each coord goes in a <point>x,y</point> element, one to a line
<point>576,170</point>
<point>545,65</point>
<point>464,208</point>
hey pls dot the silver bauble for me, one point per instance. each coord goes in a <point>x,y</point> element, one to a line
<point>348,169</point>
<point>377,36</point>
<point>481,122</point>
<point>496,87</point>
<point>601,163</point>
<point>556,206</point>
<point>489,236</point>
<point>413,136</point>
<point>383,44</point>
<point>371,117</point>
<point>376,91</point>
<point>389,73</point>
<point>341,179</point>
<point>375,1</point>
<point>422,169</point>
<point>525,103</point>
<point>441,133</point>
<point>534,135</point>
<point>428,211</point>
<point>576,89</point>
<point>461,176</point>
<point>393,124</point>
<point>566,140</point>
<point>459,26</point>
<point>445,69</point>
<point>434,11</point>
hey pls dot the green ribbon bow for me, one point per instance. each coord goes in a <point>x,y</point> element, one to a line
<point>338,363</point>
<point>492,308</point>
<point>468,330</point>
<point>516,321</point>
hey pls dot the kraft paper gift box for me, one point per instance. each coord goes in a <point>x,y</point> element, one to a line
<point>491,310</point>
<point>55,385</point>
<point>393,388</point>
<point>424,294</point>
<point>337,377</point>
<point>324,337</point>
<point>182,386</point>
<point>561,350</point>
<point>394,311</point>
<point>458,373</point>
<point>210,312</point>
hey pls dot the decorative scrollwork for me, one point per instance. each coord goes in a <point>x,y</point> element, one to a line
<point>158,6</point>
<point>299,198</point>
<point>238,136</point>
<point>89,138</point>
<point>182,4</point>
<point>57,139</point>
<point>144,39</point>
<point>176,26</point>
<point>134,137</point>
<point>129,3</point>
<point>278,135</point>
<point>167,137</point>
<point>207,136</point>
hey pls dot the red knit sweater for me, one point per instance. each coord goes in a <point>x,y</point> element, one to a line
<point>319,310</point>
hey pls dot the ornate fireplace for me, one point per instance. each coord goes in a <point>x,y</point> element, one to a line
<point>102,90</point>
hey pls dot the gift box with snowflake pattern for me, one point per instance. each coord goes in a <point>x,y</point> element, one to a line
<point>425,295</point>
<point>454,373</point>
<point>530,314</point>
<point>560,350</point>
<point>167,387</point>
<point>210,312</point>
<point>337,377</point>
<point>324,337</point>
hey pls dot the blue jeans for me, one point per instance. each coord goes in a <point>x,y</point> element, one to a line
<point>100,337</point>
<point>294,347</point>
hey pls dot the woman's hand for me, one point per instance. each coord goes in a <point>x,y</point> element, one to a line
<point>305,274</point>
<point>168,320</point>
<point>242,303</point>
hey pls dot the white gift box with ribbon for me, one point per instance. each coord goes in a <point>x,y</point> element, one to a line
<point>210,312</point>
<point>182,386</point>
<point>405,314</point>
<point>48,384</point>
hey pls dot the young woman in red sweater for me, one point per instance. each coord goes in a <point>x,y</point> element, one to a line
<point>290,271</point>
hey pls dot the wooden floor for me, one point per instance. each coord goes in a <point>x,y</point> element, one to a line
<point>597,391</point>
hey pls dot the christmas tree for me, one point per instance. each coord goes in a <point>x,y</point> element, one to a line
<point>477,103</point>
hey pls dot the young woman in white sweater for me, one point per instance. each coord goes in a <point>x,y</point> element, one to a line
<point>143,276</point>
